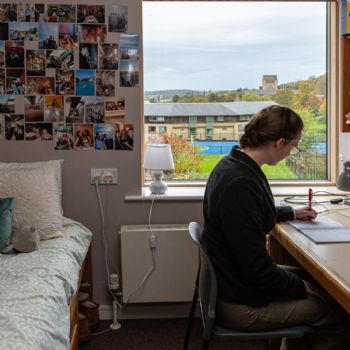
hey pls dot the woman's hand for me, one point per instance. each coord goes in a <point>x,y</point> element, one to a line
<point>305,214</point>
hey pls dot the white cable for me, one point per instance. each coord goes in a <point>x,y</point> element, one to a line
<point>98,333</point>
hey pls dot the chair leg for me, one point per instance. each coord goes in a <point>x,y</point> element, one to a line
<point>206,344</point>
<point>190,319</point>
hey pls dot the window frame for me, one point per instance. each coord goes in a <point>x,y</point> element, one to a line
<point>333,99</point>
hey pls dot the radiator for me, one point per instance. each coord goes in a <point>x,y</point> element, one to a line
<point>176,261</point>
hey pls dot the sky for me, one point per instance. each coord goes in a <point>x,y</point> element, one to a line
<point>230,45</point>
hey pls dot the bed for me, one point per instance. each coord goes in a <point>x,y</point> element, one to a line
<point>38,292</point>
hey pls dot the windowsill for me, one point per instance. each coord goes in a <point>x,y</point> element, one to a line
<point>197,193</point>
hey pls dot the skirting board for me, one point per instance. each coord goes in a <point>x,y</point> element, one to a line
<point>147,311</point>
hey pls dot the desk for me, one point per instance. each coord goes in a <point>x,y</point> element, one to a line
<point>328,263</point>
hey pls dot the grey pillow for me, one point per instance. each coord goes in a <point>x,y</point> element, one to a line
<point>25,239</point>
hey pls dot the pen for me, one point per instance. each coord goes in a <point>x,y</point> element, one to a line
<point>310,198</point>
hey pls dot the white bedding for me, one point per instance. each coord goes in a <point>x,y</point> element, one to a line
<point>36,289</point>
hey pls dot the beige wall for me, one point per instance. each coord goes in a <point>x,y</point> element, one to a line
<point>79,198</point>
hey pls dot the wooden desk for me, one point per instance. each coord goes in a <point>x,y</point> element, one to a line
<point>328,263</point>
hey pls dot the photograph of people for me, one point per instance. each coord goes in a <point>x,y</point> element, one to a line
<point>118,18</point>
<point>61,13</point>
<point>104,136</point>
<point>108,56</point>
<point>92,33</point>
<point>2,127</point>
<point>38,132</point>
<point>14,53</point>
<point>85,82</point>
<point>83,137</point>
<point>8,12</point>
<point>25,12</point>
<point>63,136</point>
<point>40,13</point>
<point>7,104</point>
<point>2,82</point>
<point>60,59</point>
<point>88,57</point>
<point>67,36</point>
<point>129,73</point>
<point>40,85</point>
<point>105,83</point>
<point>33,108</point>
<point>94,110</point>
<point>53,109</point>
<point>65,82</point>
<point>127,137</point>
<point>15,81</point>
<point>14,127</point>
<point>74,109</point>
<point>19,31</point>
<point>2,54</point>
<point>48,36</point>
<point>114,109</point>
<point>90,14</point>
<point>129,46</point>
<point>35,62</point>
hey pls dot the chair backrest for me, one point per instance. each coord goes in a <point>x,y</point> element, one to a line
<point>207,288</point>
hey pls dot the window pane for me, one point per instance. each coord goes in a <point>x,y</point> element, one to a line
<point>210,66</point>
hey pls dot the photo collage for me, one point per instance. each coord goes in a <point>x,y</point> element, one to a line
<point>66,63</point>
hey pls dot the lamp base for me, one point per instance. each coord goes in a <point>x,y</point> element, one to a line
<point>157,186</point>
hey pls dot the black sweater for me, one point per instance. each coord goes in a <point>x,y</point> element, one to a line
<point>239,211</point>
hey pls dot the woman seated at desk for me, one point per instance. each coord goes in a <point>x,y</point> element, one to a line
<point>254,293</point>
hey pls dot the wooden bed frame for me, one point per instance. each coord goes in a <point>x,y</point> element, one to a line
<point>85,275</point>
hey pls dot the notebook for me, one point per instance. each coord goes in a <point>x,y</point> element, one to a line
<point>323,230</point>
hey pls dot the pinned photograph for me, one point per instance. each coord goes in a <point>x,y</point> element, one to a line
<point>105,83</point>
<point>74,109</point>
<point>90,14</point>
<point>2,54</point>
<point>2,127</point>
<point>35,63</point>
<point>63,136</point>
<point>67,36</point>
<point>14,53</point>
<point>104,136</point>
<point>65,82</point>
<point>7,104</point>
<point>38,132</point>
<point>8,12</point>
<point>88,56</point>
<point>4,31</point>
<point>40,85</point>
<point>92,33</point>
<point>14,127</point>
<point>129,73</point>
<point>54,109</point>
<point>108,56</point>
<point>124,137</point>
<point>61,13</point>
<point>15,81</point>
<point>19,31</point>
<point>25,12</point>
<point>118,18</point>
<point>34,108</point>
<point>83,137</point>
<point>60,59</point>
<point>40,13</point>
<point>129,46</point>
<point>2,82</point>
<point>94,110</point>
<point>48,36</point>
<point>114,109</point>
<point>85,83</point>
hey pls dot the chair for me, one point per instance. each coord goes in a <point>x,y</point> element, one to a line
<point>206,293</point>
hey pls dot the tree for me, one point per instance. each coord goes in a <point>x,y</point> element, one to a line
<point>176,98</point>
<point>253,96</point>
<point>284,97</point>
<point>306,98</point>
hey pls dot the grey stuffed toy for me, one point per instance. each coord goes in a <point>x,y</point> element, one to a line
<point>24,240</point>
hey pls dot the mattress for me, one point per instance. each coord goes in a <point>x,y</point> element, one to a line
<point>36,289</point>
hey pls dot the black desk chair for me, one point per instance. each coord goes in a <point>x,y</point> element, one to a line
<point>206,293</point>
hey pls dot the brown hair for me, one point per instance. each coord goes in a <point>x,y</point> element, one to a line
<point>270,124</point>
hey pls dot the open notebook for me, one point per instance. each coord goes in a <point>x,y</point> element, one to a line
<point>323,230</point>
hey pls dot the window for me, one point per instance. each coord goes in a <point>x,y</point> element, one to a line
<point>224,68</point>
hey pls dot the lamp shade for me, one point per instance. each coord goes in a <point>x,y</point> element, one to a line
<point>343,181</point>
<point>158,157</point>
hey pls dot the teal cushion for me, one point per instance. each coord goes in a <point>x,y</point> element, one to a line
<point>6,205</point>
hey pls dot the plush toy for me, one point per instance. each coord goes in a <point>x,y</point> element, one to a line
<point>24,240</point>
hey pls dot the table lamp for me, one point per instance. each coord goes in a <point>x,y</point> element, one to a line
<point>343,181</point>
<point>158,157</point>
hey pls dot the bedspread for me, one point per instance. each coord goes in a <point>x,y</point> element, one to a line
<point>36,289</point>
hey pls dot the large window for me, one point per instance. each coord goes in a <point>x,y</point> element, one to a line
<point>210,66</point>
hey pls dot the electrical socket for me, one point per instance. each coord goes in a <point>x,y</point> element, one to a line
<point>104,176</point>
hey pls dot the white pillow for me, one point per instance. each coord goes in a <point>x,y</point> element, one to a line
<point>36,198</point>
<point>56,164</point>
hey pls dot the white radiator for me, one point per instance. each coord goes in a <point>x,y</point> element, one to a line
<point>176,261</point>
